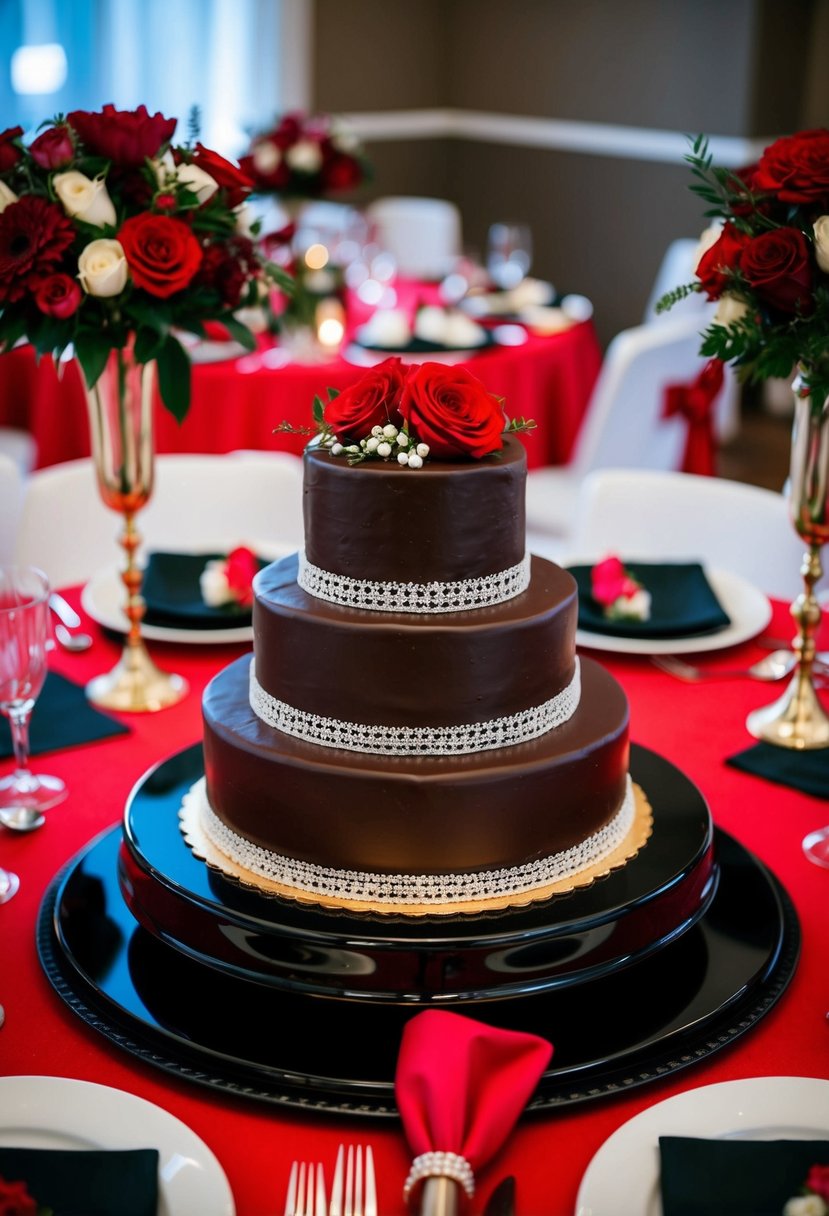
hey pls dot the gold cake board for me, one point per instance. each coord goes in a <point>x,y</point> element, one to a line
<point>635,839</point>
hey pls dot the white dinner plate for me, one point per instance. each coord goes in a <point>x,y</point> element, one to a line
<point>623,1177</point>
<point>748,608</point>
<point>61,1113</point>
<point>362,356</point>
<point>103,599</point>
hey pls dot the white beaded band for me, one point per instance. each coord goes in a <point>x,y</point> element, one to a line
<point>416,740</point>
<point>459,596</point>
<point>440,1165</point>
<point>362,886</point>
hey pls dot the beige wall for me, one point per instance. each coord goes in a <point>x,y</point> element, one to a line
<point>745,68</point>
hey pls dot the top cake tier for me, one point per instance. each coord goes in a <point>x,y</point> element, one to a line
<point>444,522</point>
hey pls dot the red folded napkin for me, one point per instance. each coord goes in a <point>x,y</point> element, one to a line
<point>460,1087</point>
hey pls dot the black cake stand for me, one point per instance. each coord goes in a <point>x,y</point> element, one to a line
<point>208,980</point>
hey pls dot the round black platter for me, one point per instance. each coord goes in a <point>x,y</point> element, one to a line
<point>634,1025</point>
<point>632,912</point>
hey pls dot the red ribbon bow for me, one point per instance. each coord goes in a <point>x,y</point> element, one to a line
<point>695,402</point>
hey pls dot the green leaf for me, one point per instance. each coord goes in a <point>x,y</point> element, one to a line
<point>239,331</point>
<point>174,378</point>
<point>318,411</point>
<point>92,352</point>
<point>148,344</point>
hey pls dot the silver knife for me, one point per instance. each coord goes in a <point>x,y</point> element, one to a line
<point>502,1200</point>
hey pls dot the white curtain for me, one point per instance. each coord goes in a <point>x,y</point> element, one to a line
<point>223,57</point>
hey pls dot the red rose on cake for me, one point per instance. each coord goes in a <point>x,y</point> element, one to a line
<point>374,400</point>
<point>450,410</point>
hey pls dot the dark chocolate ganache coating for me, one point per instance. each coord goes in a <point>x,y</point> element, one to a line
<point>443,522</point>
<point>413,815</point>
<point>414,669</point>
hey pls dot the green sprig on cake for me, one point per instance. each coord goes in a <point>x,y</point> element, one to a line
<point>407,414</point>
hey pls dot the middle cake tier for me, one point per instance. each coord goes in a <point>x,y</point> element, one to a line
<point>410,670</point>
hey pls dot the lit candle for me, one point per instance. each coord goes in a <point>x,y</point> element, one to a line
<point>330,319</point>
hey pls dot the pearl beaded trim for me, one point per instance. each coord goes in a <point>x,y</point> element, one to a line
<point>416,740</point>
<point>392,889</point>
<point>440,1165</point>
<point>459,596</point>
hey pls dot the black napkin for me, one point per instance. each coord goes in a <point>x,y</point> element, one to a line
<point>173,596</point>
<point>683,603</point>
<point>806,770</point>
<point>734,1177</point>
<point>86,1182</point>
<point>62,717</point>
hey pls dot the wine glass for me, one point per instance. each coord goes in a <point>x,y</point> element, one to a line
<point>24,628</point>
<point>509,254</point>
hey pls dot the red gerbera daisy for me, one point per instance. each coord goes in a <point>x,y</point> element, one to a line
<point>34,234</point>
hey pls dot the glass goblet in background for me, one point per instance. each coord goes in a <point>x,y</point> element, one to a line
<point>509,254</point>
<point>24,629</point>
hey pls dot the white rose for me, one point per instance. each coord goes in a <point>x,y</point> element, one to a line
<point>266,157</point>
<point>200,183</point>
<point>729,309</point>
<point>102,268</point>
<point>164,168</point>
<point>821,231</point>
<point>304,156</point>
<point>805,1205</point>
<point>244,220</point>
<point>6,196</point>
<point>84,197</point>
<point>213,584</point>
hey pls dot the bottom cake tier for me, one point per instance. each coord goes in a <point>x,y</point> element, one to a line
<point>234,929</point>
<point>416,830</point>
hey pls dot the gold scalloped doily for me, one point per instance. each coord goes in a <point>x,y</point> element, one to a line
<point>636,838</point>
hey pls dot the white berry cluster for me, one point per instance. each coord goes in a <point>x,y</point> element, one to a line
<point>385,442</point>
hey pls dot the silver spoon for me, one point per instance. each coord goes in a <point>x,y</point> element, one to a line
<point>22,818</point>
<point>773,667</point>
<point>68,617</point>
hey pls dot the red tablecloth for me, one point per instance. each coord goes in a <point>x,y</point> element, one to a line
<point>696,727</point>
<point>237,403</point>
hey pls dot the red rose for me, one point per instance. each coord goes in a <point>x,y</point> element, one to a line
<point>15,1199</point>
<point>341,172</point>
<point>274,179</point>
<point>818,1181</point>
<point>236,184</point>
<point>242,564</point>
<point>796,168</point>
<point>53,148</point>
<point>723,257</point>
<point>162,253</point>
<point>58,296</point>
<point>449,408</point>
<point>10,154</point>
<point>34,234</point>
<point>373,401</point>
<point>227,269</point>
<point>127,137</point>
<point>776,264</point>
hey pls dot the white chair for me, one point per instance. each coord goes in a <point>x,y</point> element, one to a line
<point>422,234</point>
<point>199,502</point>
<point>19,446</point>
<point>623,425</point>
<point>678,266</point>
<point>11,489</point>
<point>647,514</point>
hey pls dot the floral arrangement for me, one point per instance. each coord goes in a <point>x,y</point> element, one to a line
<point>227,582</point>
<point>305,156</point>
<point>111,235</point>
<point>766,260</point>
<point>406,414</point>
<point>621,596</point>
<point>15,1200</point>
<point>814,1197</point>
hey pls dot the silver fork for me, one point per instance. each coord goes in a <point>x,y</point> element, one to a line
<point>354,1191</point>
<point>306,1190</point>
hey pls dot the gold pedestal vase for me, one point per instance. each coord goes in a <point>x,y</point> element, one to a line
<point>120,406</point>
<point>797,719</point>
